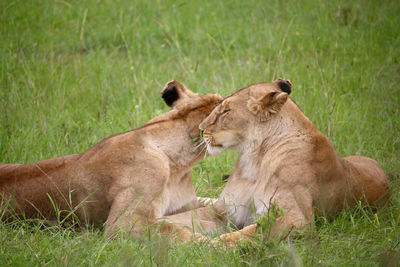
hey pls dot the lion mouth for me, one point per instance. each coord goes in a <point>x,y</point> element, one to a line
<point>210,141</point>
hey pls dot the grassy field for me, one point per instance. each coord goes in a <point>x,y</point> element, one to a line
<point>74,72</point>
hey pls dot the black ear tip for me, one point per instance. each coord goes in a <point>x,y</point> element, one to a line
<point>170,94</point>
<point>285,85</point>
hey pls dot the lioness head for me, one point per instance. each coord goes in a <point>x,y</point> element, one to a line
<point>235,120</point>
<point>185,104</point>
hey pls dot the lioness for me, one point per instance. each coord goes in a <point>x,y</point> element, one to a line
<point>127,180</point>
<point>284,160</point>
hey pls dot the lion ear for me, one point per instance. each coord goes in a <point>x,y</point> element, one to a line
<point>284,85</point>
<point>267,105</point>
<point>174,92</point>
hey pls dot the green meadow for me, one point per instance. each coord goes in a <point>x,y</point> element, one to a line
<point>75,72</point>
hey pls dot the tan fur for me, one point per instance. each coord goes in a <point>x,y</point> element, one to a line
<point>284,160</point>
<point>128,180</point>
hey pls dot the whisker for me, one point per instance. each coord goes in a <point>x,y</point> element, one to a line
<point>207,143</point>
<point>204,148</point>
<point>198,145</point>
<point>205,154</point>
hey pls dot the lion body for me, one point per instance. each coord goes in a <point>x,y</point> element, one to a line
<point>128,180</point>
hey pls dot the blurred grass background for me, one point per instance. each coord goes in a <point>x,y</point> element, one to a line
<point>75,72</point>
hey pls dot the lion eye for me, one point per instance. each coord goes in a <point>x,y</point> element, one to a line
<point>225,111</point>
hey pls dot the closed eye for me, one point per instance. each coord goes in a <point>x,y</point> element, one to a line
<point>225,111</point>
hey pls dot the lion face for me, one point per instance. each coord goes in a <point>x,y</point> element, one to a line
<point>222,129</point>
<point>234,122</point>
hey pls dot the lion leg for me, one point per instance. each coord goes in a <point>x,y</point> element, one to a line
<point>135,225</point>
<point>132,216</point>
<point>121,220</point>
<point>180,233</point>
<point>209,219</point>
<point>232,239</point>
<point>130,213</point>
<point>282,227</point>
<point>297,213</point>
<point>188,194</point>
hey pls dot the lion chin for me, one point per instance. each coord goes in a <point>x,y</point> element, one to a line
<point>214,150</point>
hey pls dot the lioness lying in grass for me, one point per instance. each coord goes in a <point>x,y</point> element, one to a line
<point>127,180</point>
<point>285,161</point>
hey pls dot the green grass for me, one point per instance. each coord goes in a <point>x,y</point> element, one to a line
<point>74,72</point>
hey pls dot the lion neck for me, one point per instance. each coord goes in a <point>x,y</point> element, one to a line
<point>275,141</point>
<point>179,141</point>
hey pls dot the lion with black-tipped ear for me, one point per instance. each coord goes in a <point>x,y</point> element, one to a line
<point>126,181</point>
<point>285,163</point>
